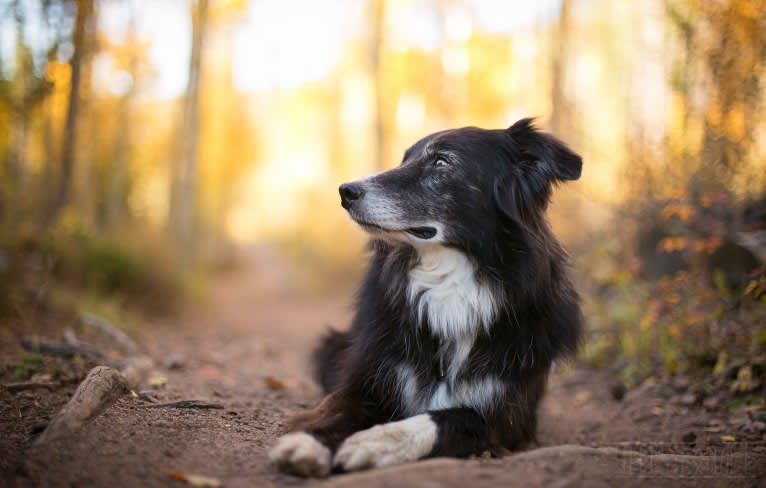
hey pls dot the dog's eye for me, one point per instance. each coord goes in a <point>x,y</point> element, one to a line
<point>440,163</point>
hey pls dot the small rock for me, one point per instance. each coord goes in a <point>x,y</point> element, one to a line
<point>712,403</point>
<point>618,391</point>
<point>757,426</point>
<point>148,396</point>
<point>689,438</point>
<point>680,383</point>
<point>739,422</point>
<point>688,399</point>
<point>38,428</point>
<point>174,361</point>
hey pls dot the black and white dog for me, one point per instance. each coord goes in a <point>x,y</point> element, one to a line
<point>465,306</point>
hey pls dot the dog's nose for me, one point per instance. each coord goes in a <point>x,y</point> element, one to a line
<point>349,193</point>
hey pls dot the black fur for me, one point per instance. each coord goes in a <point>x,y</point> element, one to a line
<point>491,196</point>
<point>325,358</point>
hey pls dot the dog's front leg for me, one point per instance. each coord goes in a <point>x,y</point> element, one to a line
<point>456,432</point>
<point>314,435</point>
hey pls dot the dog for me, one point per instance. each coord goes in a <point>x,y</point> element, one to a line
<point>465,305</point>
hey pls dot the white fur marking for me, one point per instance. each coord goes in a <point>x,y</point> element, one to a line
<point>455,303</point>
<point>478,395</point>
<point>408,389</point>
<point>302,454</point>
<point>383,445</point>
<point>463,346</point>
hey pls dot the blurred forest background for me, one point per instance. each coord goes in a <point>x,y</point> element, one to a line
<point>143,143</point>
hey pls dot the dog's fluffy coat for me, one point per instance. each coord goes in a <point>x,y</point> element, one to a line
<point>464,307</point>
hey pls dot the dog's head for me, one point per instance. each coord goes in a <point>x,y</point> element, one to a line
<point>454,185</point>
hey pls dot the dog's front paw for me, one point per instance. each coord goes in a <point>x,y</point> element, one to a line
<point>301,454</point>
<point>387,444</point>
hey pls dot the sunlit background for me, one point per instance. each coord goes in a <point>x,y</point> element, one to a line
<point>296,96</point>
<point>144,140</point>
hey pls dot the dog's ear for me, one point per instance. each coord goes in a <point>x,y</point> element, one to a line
<point>539,148</point>
<point>541,159</point>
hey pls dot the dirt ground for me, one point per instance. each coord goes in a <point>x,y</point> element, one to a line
<point>246,348</point>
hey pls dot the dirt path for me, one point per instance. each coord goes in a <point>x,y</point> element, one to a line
<point>247,349</point>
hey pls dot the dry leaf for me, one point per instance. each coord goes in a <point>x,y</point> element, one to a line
<point>581,398</point>
<point>158,381</point>
<point>202,481</point>
<point>728,438</point>
<point>656,410</point>
<point>177,475</point>
<point>274,384</point>
<point>195,479</point>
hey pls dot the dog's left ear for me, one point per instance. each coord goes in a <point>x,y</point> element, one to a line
<point>546,151</point>
<point>540,160</point>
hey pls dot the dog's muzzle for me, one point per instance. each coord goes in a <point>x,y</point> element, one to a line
<point>352,193</point>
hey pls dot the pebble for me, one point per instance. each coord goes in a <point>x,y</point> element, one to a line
<point>689,438</point>
<point>681,383</point>
<point>618,391</point>
<point>174,361</point>
<point>712,403</point>
<point>688,399</point>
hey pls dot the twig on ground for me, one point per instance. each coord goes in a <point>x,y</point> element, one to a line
<point>30,385</point>
<point>201,404</point>
<point>118,336</point>
<point>61,349</point>
<point>102,387</point>
<point>70,337</point>
<point>134,369</point>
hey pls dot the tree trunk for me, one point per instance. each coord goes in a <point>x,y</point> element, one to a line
<point>561,108</point>
<point>376,48</point>
<point>63,193</point>
<point>115,205</point>
<point>182,217</point>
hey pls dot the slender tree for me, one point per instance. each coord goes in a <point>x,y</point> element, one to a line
<point>183,213</point>
<point>120,168</point>
<point>63,193</point>
<point>377,40</point>
<point>561,106</point>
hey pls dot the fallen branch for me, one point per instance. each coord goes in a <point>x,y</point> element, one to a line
<point>61,349</point>
<point>118,336</point>
<point>101,388</point>
<point>70,337</point>
<point>30,385</point>
<point>201,404</point>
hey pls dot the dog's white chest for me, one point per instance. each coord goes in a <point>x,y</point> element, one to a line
<point>416,397</point>
<point>443,288</point>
